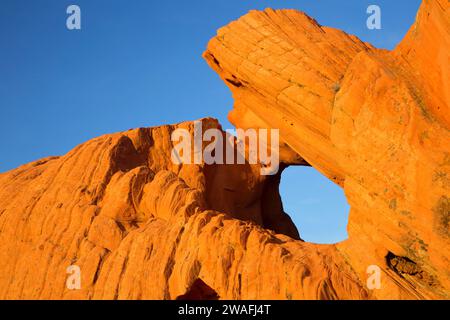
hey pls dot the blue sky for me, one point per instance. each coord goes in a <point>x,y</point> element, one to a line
<point>138,63</point>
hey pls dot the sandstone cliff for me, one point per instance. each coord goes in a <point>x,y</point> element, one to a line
<point>375,122</point>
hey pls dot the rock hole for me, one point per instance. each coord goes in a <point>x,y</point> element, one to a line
<point>317,206</point>
<point>234,82</point>
<point>404,267</point>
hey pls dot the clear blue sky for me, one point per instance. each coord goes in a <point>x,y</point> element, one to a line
<point>138,63</point>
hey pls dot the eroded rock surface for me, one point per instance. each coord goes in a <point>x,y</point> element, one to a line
<point>141,227</point>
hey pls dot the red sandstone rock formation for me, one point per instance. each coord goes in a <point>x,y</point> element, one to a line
<point>140,227</point>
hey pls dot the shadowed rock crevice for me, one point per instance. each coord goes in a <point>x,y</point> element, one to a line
<point>271,202</point>
<point>405,267</point>
<point>199,291</point>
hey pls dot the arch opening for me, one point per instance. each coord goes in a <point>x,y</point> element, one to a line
<point>317,206</point>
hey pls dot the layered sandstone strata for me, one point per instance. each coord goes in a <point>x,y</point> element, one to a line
<point>375,122</point>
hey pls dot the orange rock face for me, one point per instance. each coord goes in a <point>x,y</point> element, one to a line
<point>139,226</point>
